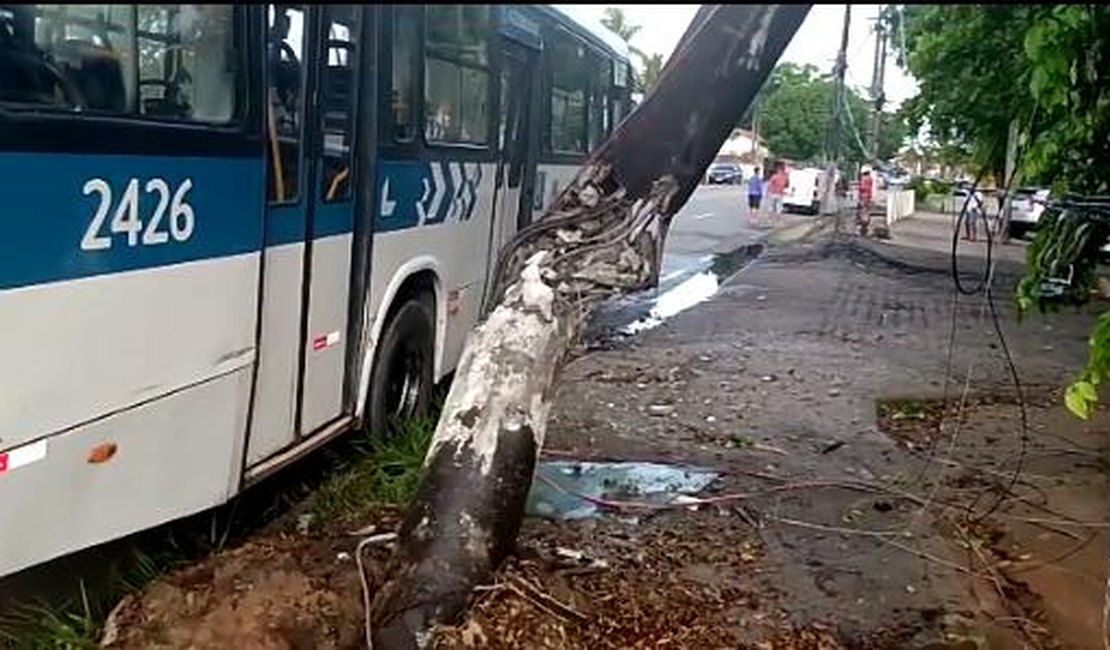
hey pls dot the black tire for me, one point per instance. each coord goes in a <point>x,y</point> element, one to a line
<point>402,379</point>
<point>1018,230</point>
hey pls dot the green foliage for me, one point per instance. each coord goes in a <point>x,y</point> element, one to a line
<point>979,68</point>
<point>924,188</point>
<point>40,626</point>
<point>617,22</point>
<point>1061,270</point>
<point>1061,263</point>
<point>645,76</point>
<point>971,73</point>
<point>795,111</point>
<point>380,470</point>
<point>1067,48</point>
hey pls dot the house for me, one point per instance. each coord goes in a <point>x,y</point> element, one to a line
<point>742,147</point>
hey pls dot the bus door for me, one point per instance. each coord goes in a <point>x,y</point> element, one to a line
<point>515,165</point>
<point>311,54</point>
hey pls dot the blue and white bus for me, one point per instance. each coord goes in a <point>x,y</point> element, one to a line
<point>231,233</point>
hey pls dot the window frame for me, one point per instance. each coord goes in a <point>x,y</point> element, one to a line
<point>575,40</point>
<point>492,71</point>
<point>355,60</point>
<point>386,35</point>
<point>241,115</point>
<point>308,60</point>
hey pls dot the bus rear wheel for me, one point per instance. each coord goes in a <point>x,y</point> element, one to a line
<point>402,378</point>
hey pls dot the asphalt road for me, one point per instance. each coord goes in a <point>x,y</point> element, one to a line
<point>714,220</point>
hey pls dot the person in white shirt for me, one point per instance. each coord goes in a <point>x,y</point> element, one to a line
<point>971,218</point>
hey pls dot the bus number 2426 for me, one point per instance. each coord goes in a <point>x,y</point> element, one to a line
<point>172,216</point>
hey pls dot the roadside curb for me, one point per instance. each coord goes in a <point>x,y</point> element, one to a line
<point>798,232</point>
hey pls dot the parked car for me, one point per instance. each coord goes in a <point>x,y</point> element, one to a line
<point>723,173</point>
<point>804,192</point>
<point>1026,209</point>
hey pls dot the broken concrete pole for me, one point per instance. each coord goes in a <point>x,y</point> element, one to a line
<point>603,235</point>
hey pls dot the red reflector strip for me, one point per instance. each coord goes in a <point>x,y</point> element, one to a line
<point>21,456</point>
<point>325,340</point>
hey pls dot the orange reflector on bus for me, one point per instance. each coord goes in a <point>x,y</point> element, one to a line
<point>102,453</point>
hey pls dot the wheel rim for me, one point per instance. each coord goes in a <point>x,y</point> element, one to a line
<point>405,382</point>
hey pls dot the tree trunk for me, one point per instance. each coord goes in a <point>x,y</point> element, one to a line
<point>603,235</point>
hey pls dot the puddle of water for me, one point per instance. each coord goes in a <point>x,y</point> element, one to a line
<point>694,290</point>
<point>675,265</point>
<point>631,481</point>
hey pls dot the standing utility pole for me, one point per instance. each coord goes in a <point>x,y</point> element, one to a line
<point>835,128</point>
<point>878,72</point>
<point>832,135</point>
<point>755,132</point>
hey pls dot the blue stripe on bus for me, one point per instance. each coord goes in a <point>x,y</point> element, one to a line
<point>285,224</point>
<point>46,214</point>
<point>332,219</point>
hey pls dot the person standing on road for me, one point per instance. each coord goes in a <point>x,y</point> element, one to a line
<point>863,209</point>
<point>971,219</point>
<point>776,188</point>
<point>755,195</point>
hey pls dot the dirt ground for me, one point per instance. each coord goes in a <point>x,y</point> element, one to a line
<point>853,509</point>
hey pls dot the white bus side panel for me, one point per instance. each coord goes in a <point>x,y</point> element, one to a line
<point>174,456</point>
<point>275,396</point>
<point>148,371</point>
<point>81,349</point>
<point>326,345</point>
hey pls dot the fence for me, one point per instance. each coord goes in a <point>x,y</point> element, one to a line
<point>899,205</point>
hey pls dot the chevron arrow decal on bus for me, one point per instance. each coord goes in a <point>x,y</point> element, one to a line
<point>416,193</point>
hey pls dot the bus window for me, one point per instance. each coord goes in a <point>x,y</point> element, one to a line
<point>597,127</point>
<point>405,59</point>
<point>286,67</point>
<point>568,96</point>
<point>456,73</point>
<point>337,85</point>
<point>164,61</point>
<point>617,93</point>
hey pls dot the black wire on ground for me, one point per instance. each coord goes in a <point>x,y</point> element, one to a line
<point>1024,447</point>
<point>985,286</point>
<point>956,239</point>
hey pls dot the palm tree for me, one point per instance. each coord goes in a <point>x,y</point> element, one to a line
<point>653,66</point>
<point>650,66</point>
<point>615,20</point>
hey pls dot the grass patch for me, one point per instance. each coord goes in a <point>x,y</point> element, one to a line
<point>380,471</point>
<point>77,626</point>
<point>39,625</point>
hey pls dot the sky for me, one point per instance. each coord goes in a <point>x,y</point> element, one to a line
<point>815,42</point>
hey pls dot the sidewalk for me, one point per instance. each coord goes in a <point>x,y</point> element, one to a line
<point>932,231</point>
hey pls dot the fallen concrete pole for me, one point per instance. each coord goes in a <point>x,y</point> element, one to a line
<point>603,235</point>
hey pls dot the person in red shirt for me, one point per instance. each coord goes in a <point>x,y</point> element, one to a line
<point>776,188</point>
<point>866,191</point>
<point>866,188</point>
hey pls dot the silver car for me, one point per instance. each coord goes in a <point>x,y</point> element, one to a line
<point>1026,209</point>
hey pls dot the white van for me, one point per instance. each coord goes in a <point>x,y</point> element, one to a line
<point>804,192</point>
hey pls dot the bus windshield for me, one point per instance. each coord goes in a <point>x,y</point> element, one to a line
<point>163,61</point>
